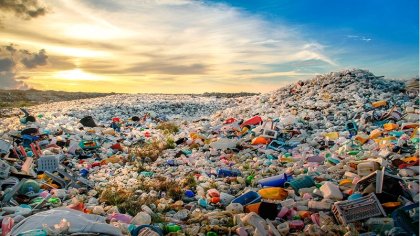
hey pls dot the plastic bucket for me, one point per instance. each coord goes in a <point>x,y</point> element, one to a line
<point>302,182</point>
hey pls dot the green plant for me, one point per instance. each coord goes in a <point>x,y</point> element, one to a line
<point>170,143</point>
<point>213,185</point>
<point>189,182</point>
<point>151,150</point>
<point>168,128</point>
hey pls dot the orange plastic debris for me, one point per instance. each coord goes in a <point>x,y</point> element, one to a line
<point>379,104</point>
<point>273,193</point>
<point>375,133</point>
<point>391,204</point>
<point>361,139</point>
<point>259,140</point>
<point>390,126</point>
<point>253,207</point>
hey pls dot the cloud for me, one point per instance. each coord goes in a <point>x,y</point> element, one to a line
<point>32,60</point>
<point>182,41</point>
<point>25,9</point>
<point>12,59</point>
<point>104,4</point>
<point>6,64</point>
<point>169,68</point>
<point>357,37</point>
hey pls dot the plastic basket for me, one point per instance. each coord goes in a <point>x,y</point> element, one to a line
<point>48,163</point>
<point>351,211</point>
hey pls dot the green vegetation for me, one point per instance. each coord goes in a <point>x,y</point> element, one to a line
<point>168,128</point>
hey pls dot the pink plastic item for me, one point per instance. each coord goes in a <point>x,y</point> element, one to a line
<point>315,219</point>
<point>120,217</point>
<point>44,194</point>
<point>6,225</point>
<point>283,212</point>
<point>296,224</point>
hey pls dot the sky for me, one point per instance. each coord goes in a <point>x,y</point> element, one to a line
<point>192,46</point>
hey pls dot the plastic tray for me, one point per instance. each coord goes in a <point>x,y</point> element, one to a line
<point>350,211</point>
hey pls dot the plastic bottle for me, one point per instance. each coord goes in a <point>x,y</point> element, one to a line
<point>172,228</point>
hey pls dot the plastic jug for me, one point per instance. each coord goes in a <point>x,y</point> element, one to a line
<point>331,191</point>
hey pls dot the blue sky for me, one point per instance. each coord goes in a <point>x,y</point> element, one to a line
<point>380,35</point>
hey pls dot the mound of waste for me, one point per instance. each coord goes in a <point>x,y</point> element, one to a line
<point>334,155</point>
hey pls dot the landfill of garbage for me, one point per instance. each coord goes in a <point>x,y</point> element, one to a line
<point>334,155</point>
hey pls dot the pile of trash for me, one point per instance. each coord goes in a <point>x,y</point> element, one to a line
<point>334,155</point>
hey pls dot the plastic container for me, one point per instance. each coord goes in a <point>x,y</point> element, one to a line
<point>366,168</point>
<point>225,199</point>
<point>275,181</point>
<point>331,191</point>
<point>48,163</point>
<point>319,205</point>
<point>302,182</point>
<point>273,193</point>
<point>247,198</point>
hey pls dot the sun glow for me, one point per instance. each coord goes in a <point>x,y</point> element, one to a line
<point>76,74</point>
